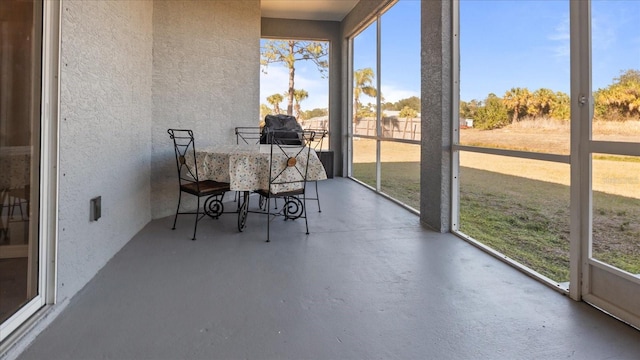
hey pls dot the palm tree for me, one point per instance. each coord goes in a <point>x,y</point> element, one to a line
<point>363,79</point>
<point>517,101</point>
<point>542,102</point>
<point>620,100</point>
<point>275,101</point>
<point>264,110</point>
<point>561,107</point>
<point>288,52</point>
<point>299,95</point>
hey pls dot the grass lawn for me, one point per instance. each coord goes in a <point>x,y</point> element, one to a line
<point>525,219</point>
<point>400,180</point>
<point>520,207</point>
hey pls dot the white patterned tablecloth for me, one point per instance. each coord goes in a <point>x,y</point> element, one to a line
<point>246,167</point>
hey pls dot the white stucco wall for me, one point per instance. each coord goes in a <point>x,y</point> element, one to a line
<point>206,77</point>
<point>105,139</point>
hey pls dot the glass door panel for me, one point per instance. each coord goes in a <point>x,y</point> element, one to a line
<point>616,70</point>
<point>20,89</point>
<point>365,104</point>
<point>310,79</point>
<point>400,172</point>
<point>363,165</point>
<point>616,211</point>
<point>400,71</point>
<point>514,133</point>
<point>518,207</point>
<point>514,75</point>
<point>365,91</point>
<point>400,103</point>
<point>613,258</point>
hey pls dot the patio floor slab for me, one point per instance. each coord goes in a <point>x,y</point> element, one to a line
<point>368,283</point>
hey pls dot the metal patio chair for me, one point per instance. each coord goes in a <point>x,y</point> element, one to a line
<point>248,135</point>
<point>288,172</point>
<point>316,143</point>
<point>190,183</point>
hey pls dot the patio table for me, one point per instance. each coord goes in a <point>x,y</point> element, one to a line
<point>246,168</point>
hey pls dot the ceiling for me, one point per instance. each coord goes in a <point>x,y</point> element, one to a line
<point>333,10</point>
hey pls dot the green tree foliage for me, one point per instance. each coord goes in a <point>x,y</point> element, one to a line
<point>541,103</point>
<point>299,95</point>
<point>492,115</point>
<point>288,52</point>
<point>363,84</point>
<point>264,110</point>
<point>561,106</point>
<point>275,101</point>
<point>468,109</point>
<point>408,112</point>
<point>621,100</point>
<point>517,100</point>
<point>544,103</point>
<point>317,112</point>
<point>388,106</point>
<point>519,103</point>
<point>411,102</point>
<point>366,111</point>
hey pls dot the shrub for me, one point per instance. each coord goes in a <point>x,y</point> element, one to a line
<point>493,115</point>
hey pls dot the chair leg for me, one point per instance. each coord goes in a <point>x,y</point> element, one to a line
<point>4,227</point>
<point>16,202</point>
<point>285,208</point>
<point>268,218</point>
<point>178,209</point>
<point>195,226</point>
<point>243,210</point>
<point>304,208</point>
<point>318,197</point>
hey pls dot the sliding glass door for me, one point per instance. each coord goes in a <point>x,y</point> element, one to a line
<point>547,143</point>
<point>28,103</point>
<point>514,132</point>
<point>612,256</point>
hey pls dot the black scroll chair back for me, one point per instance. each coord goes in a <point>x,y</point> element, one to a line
<point>287,127</point>
<point>316,143</point>
<point>189,180</point>
<point>248,135</point>
<point>289,165</point>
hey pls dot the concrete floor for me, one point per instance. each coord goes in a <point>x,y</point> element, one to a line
<point>367,283</point>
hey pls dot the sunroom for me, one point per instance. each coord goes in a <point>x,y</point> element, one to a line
<point>89,89</point>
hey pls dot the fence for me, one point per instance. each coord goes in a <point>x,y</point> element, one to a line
<point>393,127</point>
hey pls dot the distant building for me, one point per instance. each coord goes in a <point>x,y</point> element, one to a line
<point>466,123</point>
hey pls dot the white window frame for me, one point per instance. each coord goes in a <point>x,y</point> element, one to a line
<point>20,322</point>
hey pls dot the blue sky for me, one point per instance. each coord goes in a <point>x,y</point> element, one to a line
<point>503,44</point>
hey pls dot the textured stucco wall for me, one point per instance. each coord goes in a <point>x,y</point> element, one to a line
<point>325,31</point>
<point>104,133</point>
<point>437,105</point>
<point>206,77</point>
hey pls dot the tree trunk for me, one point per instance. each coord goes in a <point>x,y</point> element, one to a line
<point>292,74</point>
